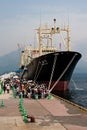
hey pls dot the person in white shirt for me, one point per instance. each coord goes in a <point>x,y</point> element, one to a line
<point>8,88</point>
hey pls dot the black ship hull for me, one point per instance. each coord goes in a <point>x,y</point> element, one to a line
<point>54,69</point>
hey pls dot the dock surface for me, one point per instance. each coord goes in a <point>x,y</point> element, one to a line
<point>50,114</point>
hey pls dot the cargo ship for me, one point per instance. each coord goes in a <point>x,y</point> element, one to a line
<point>49,65</point>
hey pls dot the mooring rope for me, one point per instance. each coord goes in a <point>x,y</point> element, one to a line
<point>53,68</point>
<point>36,70</point>
<point>63,73</point>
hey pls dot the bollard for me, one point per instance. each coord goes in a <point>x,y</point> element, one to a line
<point>25,119</point>
<point>36,96</point>
<point>1,90</point>
<point>24,113</point>
<point>2,103</point>
<point>21,109</point>
<point>14,94</point>
<point>49,96</point>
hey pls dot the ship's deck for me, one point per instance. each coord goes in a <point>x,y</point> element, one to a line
<point>53,114</point>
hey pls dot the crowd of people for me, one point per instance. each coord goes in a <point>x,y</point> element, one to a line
<point>31,90</point>
<point>27,89</point>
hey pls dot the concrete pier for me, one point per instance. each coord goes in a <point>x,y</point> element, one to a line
<point>50,114</point>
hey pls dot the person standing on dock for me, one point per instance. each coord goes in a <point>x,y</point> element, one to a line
<point>4,87</point>
<point>8,88</point>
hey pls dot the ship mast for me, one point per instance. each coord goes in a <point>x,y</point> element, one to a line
<point>47,33</point>
<point>68,38</point>
<point>40,40</point>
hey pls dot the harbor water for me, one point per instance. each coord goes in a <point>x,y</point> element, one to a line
<point>78,90</point>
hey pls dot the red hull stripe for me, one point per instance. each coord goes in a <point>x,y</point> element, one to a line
<point>60,86</point>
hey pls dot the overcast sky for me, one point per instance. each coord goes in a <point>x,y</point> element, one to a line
<point>20,18</point>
